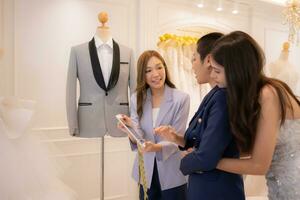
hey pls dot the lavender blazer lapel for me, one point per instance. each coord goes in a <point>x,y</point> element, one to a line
<point>165,107</point>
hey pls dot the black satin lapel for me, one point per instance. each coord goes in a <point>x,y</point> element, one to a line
<point>96,65</point>
<point>115,71</point>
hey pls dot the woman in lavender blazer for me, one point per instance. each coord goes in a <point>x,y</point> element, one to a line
<point>157,103</point>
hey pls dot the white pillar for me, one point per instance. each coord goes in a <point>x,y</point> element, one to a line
<point>7,46</point>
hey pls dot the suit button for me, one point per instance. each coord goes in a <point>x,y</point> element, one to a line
<point>199,120</point>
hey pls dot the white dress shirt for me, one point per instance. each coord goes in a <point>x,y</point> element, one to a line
<point>105,55</point>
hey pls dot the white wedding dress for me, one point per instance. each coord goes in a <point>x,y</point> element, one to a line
<point>26,170</point>
<point>283,70</point>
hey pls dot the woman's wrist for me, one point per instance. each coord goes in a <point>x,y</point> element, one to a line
<point>179,140</point>
<point>158,147</point>
<point>175,138</point>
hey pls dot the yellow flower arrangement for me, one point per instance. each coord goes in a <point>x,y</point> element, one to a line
<point>179,40</point>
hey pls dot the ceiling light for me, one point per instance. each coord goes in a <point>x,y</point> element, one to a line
<point>219,9</point>
<point>220,6</point>
<point>200,4</point>
<point>235,12</point>
<point>235,8</point>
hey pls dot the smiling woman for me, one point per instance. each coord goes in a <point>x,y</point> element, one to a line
<point>153,73</point>
<point>157,103</point>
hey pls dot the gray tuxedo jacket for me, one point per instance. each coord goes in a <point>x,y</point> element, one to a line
<point>174,111</point>
<point>93,115</point>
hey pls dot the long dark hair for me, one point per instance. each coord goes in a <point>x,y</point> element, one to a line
<point>142,86</point>
<point>243,61</point>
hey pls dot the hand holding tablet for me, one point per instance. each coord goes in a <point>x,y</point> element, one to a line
<point>131,131</point>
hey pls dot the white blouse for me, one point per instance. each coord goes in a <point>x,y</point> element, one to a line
<point>155,112</point>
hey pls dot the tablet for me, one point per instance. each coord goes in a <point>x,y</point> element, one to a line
<point>131,131</point>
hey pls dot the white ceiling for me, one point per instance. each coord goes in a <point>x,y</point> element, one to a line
<point>277,2</point>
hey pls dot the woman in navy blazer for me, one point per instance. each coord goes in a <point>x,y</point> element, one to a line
<point>157,103</point>
<point>208,138</point>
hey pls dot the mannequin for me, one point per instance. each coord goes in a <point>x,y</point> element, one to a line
<point>103,31</point>
<point>104,78</point>
<point>285,71</point>
<point>105,70</point>
<point>277,67</point>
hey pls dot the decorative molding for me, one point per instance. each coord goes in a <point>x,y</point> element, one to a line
<point>116,197</point>
<point>273,29</point>
<point>51,128</point>
<point>85,154</point>
<point>75,154</point>
<point>173,16</point>
<point>65,131</point>
<point>147,24</point>
<point>194,23</point>
<point>1,23</point>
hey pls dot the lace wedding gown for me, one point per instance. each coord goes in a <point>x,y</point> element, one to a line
<point>283,178</point>
<point>26,172</point>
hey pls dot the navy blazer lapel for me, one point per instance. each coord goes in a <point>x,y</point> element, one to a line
<point>210,95</point>
<point>165,105</point>
<point>96,65</point>
<point>206,99</point>
<point>115,71</point>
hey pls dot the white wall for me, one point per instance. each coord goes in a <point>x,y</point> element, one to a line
<point>269,30</point>
<point>40,35</point>
<point>1,38</point>
<point>7,45</point>
<point>44,33</point>
<point>1,22</point>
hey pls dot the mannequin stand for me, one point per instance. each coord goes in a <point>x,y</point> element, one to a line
<point>102,170</point>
